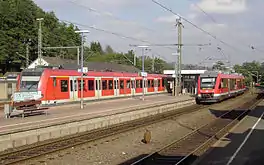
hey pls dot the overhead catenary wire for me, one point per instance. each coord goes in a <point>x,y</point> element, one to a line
<point>196,26</point>
<point>109,32</point>
<point>106,31</point>
<point>108,14</point>
<point>116,18</point>
<point>202,10</point>
<point>214,21</point>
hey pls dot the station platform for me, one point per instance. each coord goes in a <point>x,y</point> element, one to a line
<point>97,109</point>
<point>243,145</point>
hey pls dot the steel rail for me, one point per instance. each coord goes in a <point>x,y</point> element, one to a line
<point>183,160</point>
<point>51,146</point>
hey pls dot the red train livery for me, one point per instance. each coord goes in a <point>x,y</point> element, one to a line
<point>60,86</point>
<point>216,86</point>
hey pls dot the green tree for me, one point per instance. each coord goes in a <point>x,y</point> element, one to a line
<point>109,50</point>
<point>219,66</point>
<point>96,47</point>
<point>250,70</point>
<point>18,24</point>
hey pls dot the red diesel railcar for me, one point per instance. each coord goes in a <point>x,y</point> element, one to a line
<point>60,86</point>
<point>217,86</point>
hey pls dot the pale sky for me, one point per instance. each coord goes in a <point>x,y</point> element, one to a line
<point>236,22</point>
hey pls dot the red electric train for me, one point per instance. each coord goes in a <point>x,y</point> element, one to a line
<point>216,86</point>
<point>61,86</point>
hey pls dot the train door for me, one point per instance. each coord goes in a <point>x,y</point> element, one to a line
<point>133,86</point>
<point>98,87</point>
<point>116,86</point>
<point>156,85</point>
<point>229,85</point>
<point>73,89</point>
<point>145,85</point>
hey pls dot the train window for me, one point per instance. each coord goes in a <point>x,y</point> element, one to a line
<point>163,82</point>
<point>104,84</point>
<point>137,84</point>
<point>122,84</point>
<point>158,83</point>
<point>128,83</point>
<point>64,85</point>
<point>90,85</point>
<point>96,84</point>
<point>116,84</point>
<point>141,83</point>
<point>225,83</point>
<point>75,85</point>
<point>83,84</point>
<point>152,83</point>
<point>100,84</point>
<point>54,81</point>
<point>110,84</point>
<point>208,82</point>
<point>71,85</point>
<point>133,84</point>
<point>149,83</point>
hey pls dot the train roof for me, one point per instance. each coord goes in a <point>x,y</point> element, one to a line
<point>221,74</point>
<point>67,72</point>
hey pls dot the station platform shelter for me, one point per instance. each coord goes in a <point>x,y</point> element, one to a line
<point>189,80</point>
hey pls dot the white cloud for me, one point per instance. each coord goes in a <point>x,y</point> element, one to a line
<point>163,24</point>
<point>172,18</point>
<point>167,19</point>
<point>222,6</point>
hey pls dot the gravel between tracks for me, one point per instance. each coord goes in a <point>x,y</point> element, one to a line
<point>122,147</point>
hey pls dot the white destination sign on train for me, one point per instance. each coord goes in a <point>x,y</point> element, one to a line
<point>23,96</point>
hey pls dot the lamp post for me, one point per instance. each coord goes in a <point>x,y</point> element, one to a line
<point>143,70</point>
<point>40,40</point>
<point>82,32</point>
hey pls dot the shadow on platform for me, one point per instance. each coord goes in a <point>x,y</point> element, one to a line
<point>159,160</point>
<point>251,153</point>
<point>130,161</point>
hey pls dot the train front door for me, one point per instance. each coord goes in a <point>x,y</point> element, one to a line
<point>98,87</point>
<point>116,86</point>
<point>73,89</point>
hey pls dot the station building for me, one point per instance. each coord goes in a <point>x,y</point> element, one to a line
<point>189,80</point>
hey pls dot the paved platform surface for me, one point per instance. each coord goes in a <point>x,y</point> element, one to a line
<point>91,110</point>
<point>244,145</point>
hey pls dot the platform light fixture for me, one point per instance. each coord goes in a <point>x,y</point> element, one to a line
<point>82,48</point>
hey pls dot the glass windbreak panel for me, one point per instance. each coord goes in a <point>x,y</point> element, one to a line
<point>208,82</point>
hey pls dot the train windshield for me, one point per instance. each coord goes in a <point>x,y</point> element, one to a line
<point>30,81</point>
<point>208,82</point>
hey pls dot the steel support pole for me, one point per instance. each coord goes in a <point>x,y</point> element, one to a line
<point>180,53</point>
<point>82,72</point>
<point>27,55</point>
<point>40,41</point>
<point>78,56</point>
<point>143,70</point>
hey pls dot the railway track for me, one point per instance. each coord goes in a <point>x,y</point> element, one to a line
<point>29,152</point>
<point>186,150</point>
<point>46,147</point>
